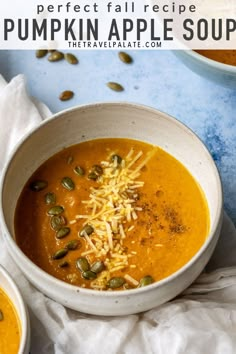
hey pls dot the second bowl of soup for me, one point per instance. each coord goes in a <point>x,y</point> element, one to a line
<point>14,321</point>
<point>118,208</point>
<point>218,66</point>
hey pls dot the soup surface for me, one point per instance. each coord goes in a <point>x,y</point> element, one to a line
<point>223,56</point>
<point>9,326</point>
<point>111,214</point>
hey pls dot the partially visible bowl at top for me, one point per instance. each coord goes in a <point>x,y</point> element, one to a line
<point>15,302</point>
<point>218,72</point>
<point>112,120</point>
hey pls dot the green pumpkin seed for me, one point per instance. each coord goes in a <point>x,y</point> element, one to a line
<point>56,210</point>
<point>60,253</point>
<point>97,267</point>
<point>63,232</point>
<point>68,183</point>
<point>66,95</point>
<point>63,264</point>
<point>1,316</point>
<point>82,264</point>
<point>147,280</point>
<point>89,275</point>
<point>71,58</point>
<point>117,158</point>
<point>41,53</point>
<point>50,198</point>
<point>39,185</point>
<point>126,58</point>
<point>87,229</point>
<point>97,169</point>
<point>115,86</point>
<point>116,282</point>
<point>56,56</point>
<point>57,221</point>
<point>93,176</point>
<point>73,245</point>
<point>79,171</point>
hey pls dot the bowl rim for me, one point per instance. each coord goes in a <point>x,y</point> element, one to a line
<point>23,315</point>
<point>118,294</point>
<point>227,68</point>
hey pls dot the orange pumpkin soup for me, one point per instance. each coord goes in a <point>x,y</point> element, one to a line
<point>222,56</point>
<point>9,326</point>
<point>111,214</point>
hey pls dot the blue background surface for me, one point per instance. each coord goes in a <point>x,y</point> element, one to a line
<point>157,79</point>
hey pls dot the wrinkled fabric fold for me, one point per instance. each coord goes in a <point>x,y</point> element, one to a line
<point>201,320</point>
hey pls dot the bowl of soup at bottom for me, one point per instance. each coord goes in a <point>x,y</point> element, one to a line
<point>218,66</point>
<point>117,207</point>
<point>14,322</point>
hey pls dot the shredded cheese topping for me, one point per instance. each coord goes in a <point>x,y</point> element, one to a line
<point>112,211</point>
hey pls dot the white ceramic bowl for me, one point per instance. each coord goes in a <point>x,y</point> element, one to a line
<point>12,291</point>
<point>220,73</point>
<point>111,120</point>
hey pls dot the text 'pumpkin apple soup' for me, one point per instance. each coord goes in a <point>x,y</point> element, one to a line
<point>9,326</point>
<point>111,214</point>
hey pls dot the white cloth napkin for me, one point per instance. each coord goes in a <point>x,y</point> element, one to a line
<point>200,321</point>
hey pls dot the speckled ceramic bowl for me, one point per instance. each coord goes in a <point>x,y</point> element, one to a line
<point>220,73</point>
<point>111,120</point>
<point>10,288</point>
